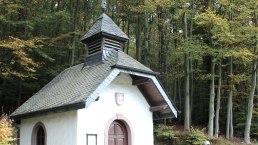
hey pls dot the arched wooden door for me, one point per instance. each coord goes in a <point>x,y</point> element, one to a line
<point>117,134</point>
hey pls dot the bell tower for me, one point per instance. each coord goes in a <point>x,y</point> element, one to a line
<point>103,38</point>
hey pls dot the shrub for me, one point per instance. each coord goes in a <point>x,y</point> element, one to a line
<point>197,137</point>
<point>221,141</point>
<point>6,130</point>
<point>164,134</point>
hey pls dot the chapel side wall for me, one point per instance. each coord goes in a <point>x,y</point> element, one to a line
<point>93,120</point>
<point>60,128</point>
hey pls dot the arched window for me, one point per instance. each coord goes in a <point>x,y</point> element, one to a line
<point>39,135</point>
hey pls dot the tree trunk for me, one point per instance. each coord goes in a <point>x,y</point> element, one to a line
<point>163,49</point>
<point>212,96</point>
<point>19,93</point>
<point>86,15</point>
<point>175,89</point>
<point>191,87</point>
<point>191,63</point>
<point>187,82</point>
<point>179,98</point>
<point>146,34</point>
<point>229,127</point>
<point>218,103</point>
<point>75,11</point>
<point>138,39</point>
<point>187,96</point>
<point>251,96</point>
<point>231,135</point>
<point>128,34</point>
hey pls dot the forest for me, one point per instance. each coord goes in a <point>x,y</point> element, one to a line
<point>205,52</point>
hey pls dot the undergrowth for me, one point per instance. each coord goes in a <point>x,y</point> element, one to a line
<point>167,135</point>
<point>6,130</point>
<point>197,136</point>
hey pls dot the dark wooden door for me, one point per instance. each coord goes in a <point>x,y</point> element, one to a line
<point>117,134</point>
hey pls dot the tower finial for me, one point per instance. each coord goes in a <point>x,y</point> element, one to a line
<point>104,6</point>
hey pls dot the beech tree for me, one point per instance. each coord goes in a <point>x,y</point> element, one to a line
<point>253,85</point>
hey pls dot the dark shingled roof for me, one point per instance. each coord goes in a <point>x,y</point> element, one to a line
<point>74,85</point>
<point>106,25</point>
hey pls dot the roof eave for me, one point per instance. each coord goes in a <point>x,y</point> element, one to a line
<point>135,70</point>
<point>163,93</point>
<point>151,75</point>
<point>58,109</point>
<point>103,33</point>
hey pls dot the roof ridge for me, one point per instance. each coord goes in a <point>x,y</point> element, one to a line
<point>104,24</point>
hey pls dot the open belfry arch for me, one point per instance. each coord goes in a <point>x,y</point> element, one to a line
<point>110,99</point>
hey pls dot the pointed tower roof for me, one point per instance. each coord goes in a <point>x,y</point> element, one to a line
<point>104,25</point>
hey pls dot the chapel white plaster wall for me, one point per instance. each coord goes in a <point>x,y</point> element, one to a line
<point>60,128</point>
<point>93,120</point>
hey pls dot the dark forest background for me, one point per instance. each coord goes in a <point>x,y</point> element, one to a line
<point>204,50</point>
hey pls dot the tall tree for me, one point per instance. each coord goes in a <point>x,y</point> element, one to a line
<point>253,87</point>
<point>162,39</point>
<point>187,80</point>
<point>229,127</point>
<point>74,27</point>
<point>147,35</point>
<point>216,29</point>
<point>212,98</point>
<point>191,60</point>
<point>138,38</point>
<point>216,133</point>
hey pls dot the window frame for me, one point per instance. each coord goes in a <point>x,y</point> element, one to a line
<point>91,135</point>
<point>34,135</point>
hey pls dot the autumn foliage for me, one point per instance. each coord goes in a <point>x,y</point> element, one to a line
<point>16,61</point>
<point>6,130</point>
